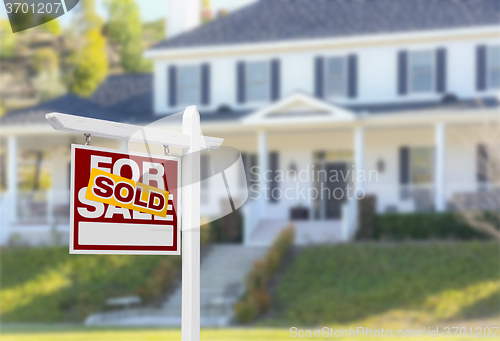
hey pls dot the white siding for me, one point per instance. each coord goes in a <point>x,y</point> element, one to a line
<point>377,74</point>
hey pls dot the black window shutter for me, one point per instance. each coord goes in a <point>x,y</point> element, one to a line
<point>352,67</point>
<point>319,77</point>
<point>273,167</point>
<point>481,67</point>
<point>482,163</point>
<point>441,70</point>
<point>275,79</point>
<point>240,82</point>
<point>205,84</point>
<point>172,85</point>
<point>402,72</point>
<point>404,165</point>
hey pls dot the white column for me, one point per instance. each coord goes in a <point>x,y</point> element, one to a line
<point>359,156</point>
<point>263,166</point>
<point>12,176</point>
<point>191,227</point>
<point>440,199</point>
<point>124,145</point>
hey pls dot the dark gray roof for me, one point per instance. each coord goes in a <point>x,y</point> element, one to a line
<point>447,102</point>
<point>131,95</point>
<point>67,104</point>
<point>274,20</point>
<point>121,98</point>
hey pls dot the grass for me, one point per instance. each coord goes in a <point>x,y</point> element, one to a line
<point>426,282</point>
<point>46,285</point>
<point>255,334</point>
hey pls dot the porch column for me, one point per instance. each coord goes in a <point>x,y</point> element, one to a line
<point>263,165</point>
<point>359,156</point>
<point>12,178</point>
<point>440,131</point>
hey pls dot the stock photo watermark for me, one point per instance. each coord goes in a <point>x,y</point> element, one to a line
<point>310,184</point>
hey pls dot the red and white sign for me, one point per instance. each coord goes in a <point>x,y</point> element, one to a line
<point>101,228</point>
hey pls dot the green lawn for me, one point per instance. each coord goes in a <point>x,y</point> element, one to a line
<point>79,334</point>
<point>426,282</point>
<point>45,285</point>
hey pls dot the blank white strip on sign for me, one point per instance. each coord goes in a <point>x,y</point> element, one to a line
<point>93,233</point>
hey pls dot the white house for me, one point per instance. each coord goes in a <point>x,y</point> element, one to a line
<point>405,92</point>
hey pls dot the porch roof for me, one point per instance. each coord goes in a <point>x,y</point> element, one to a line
<point>69,103</point>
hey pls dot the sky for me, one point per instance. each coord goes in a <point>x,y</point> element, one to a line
<point>150,9</point>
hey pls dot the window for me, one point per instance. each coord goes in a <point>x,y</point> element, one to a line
<point>421,70</point>
<point>421,165</point>
<point>257,79</point>
<point>494,67</point>
<point>336,77</point>
<point>487,164</point>
<point>188,84</point>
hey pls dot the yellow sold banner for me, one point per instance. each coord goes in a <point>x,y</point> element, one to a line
<point>122,192</point>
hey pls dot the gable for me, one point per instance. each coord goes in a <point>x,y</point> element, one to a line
<point>298,108</point>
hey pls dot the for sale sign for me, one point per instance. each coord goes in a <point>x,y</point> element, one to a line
<point>124,203</point>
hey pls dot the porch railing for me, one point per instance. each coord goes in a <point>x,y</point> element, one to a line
<point>42,207</point>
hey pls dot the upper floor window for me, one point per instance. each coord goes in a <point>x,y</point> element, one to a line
<point>257,81</point>
<point>421,71</point>
<point>336,77</point>
<point>188,84</point>
<point>494,67</point>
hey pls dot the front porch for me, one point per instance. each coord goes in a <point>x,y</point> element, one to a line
<point>410,162</point>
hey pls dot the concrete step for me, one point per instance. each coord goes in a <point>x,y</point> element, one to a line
<point>224,267</point>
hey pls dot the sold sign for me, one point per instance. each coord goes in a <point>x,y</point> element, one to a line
<point>122,192</point>
<point>124,203</point>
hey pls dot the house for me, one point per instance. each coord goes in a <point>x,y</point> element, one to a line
<point>400,96</point>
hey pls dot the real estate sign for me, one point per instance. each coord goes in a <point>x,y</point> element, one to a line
<point>124,203</point>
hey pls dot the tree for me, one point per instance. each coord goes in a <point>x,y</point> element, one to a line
<point>125,28</point>
<point>48,77</point>
<point>7,40</point>
<point>89,62</point>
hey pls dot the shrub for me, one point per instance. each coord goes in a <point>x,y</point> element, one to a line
<point>446,225</point>
<point>244,311</point>
<point>257,299</point>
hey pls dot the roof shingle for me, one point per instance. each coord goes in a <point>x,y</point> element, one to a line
<point>278,20</point>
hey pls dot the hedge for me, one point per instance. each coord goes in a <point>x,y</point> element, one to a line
<point>257,299</point>
<point>419,226</point>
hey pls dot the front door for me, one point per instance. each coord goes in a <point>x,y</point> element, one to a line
<point>334,197</point>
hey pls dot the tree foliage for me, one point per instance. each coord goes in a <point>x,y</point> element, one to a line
<point>7,40</point>
<point>90,63</point>
<point>125,28</point>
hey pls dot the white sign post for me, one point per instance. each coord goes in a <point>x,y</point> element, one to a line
<point>191,142</point>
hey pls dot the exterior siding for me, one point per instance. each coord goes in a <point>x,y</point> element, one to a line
<point>376,66</point>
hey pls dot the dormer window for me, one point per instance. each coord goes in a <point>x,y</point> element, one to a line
<point>336,77</point>
<point>257,81</point>
<point>494,67</point>
<point>188,84</point>
<point>421,71</point>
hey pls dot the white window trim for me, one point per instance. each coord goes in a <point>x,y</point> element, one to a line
<point>410,73</point>
<point>177,84</point>
<point>345,74</point>
<point>488,68</point>
<point>269,76</point>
